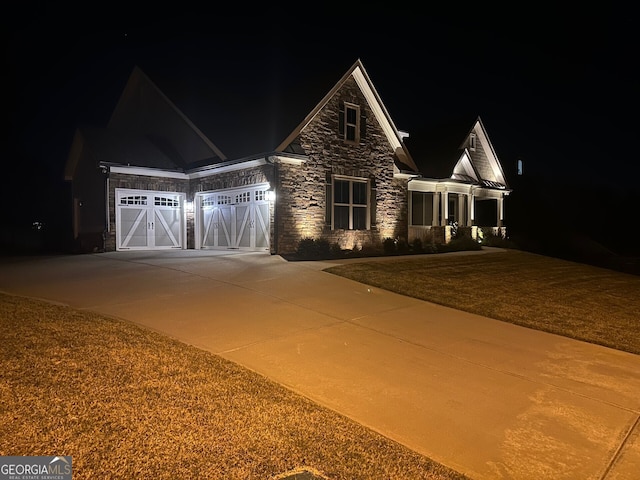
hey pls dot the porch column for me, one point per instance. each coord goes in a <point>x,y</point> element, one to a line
<point>500,211</point>
<point>462,219</point>
<point>435,209</point>
<point>472,209</point>
<point>444,201</point>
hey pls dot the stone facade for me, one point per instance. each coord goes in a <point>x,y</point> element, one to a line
<point>304,186</point>
<point>302,189</point>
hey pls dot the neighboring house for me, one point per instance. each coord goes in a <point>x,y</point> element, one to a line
<point>152,180</point>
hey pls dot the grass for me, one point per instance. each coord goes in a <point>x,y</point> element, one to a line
<point>574,300</point>
<point>128,403</point>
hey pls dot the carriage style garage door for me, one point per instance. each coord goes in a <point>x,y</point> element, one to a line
<point>237,219</point>
<point>148,220</point>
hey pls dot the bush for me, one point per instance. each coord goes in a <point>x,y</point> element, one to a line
<point>459,244</point>
<point>402,246</point>
<point>416,246</point>
<point>336,251</point>
<point>389,246</point>
<point>313,249</point>
<point>306,248</point>
<point>491,239</point>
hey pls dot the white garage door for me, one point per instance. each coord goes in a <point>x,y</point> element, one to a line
<point>233,219</point>
<point>148,220</point>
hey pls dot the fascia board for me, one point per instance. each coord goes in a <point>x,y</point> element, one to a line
<point>147,172</point>
<point>214,170</point>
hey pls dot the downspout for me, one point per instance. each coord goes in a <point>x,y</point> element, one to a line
<point>270,159</point>
<point>107,229</point>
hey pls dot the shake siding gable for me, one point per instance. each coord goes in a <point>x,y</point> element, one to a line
<point>481,162</point>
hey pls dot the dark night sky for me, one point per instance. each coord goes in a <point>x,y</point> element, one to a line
<point>555,88</point>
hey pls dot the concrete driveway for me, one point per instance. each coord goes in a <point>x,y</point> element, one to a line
<point>489,399</point>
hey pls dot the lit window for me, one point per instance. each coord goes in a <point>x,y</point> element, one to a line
<point>350,205</point>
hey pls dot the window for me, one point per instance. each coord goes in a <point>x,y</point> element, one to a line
<point>472,142</point>
<point>243,197</point>
<point>350,204</point>
<point>421,208</point>
<point>453,209</point>
<point>351,121</point>
<point>134,200</point>
<point>352,124</point>
<point>166,202</point>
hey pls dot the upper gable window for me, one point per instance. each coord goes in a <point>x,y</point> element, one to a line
<point>351,123</point>
<point>472,142</point>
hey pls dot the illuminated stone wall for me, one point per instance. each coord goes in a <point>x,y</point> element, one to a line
<point>301,208</point>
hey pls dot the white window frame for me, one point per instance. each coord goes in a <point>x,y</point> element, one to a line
<point>472,142</point>
<point>350,204</point>
<point>355,126</point>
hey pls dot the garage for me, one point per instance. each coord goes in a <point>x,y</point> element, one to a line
<point>148,220</point>
<point>233,219</point>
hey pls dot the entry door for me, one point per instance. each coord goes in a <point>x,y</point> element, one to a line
<point>236,219</point>
<point>149,220</point>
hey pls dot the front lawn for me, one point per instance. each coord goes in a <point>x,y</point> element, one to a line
<point>579,301</point>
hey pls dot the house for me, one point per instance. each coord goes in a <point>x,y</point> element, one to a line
<point>152,180</point>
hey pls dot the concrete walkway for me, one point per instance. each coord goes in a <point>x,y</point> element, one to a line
<point>489,399</point>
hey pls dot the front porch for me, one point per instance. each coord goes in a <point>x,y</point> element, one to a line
<point>441,210</point>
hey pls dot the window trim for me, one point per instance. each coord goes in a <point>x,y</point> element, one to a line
<point>427,213</point>
<point>356,126</point>
<point>350,204</point>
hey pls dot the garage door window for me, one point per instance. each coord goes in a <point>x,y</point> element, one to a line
<point>134,200</point>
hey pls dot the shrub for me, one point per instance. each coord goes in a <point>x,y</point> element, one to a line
<point>317,249</point>
<point>307,248</point>
<point>323,248</point>
<point>402,246</point>
<point>389,246</point>
<point>416,246</point>
<point>460,244</point>
<point>336,251</point>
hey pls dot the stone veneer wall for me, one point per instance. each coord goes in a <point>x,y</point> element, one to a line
<point>301,203</point>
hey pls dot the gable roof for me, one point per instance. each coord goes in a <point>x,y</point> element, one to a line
<point>479,164</point>
<point>357,71</point>
<point>145,111</point>
<point>445,153</point>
